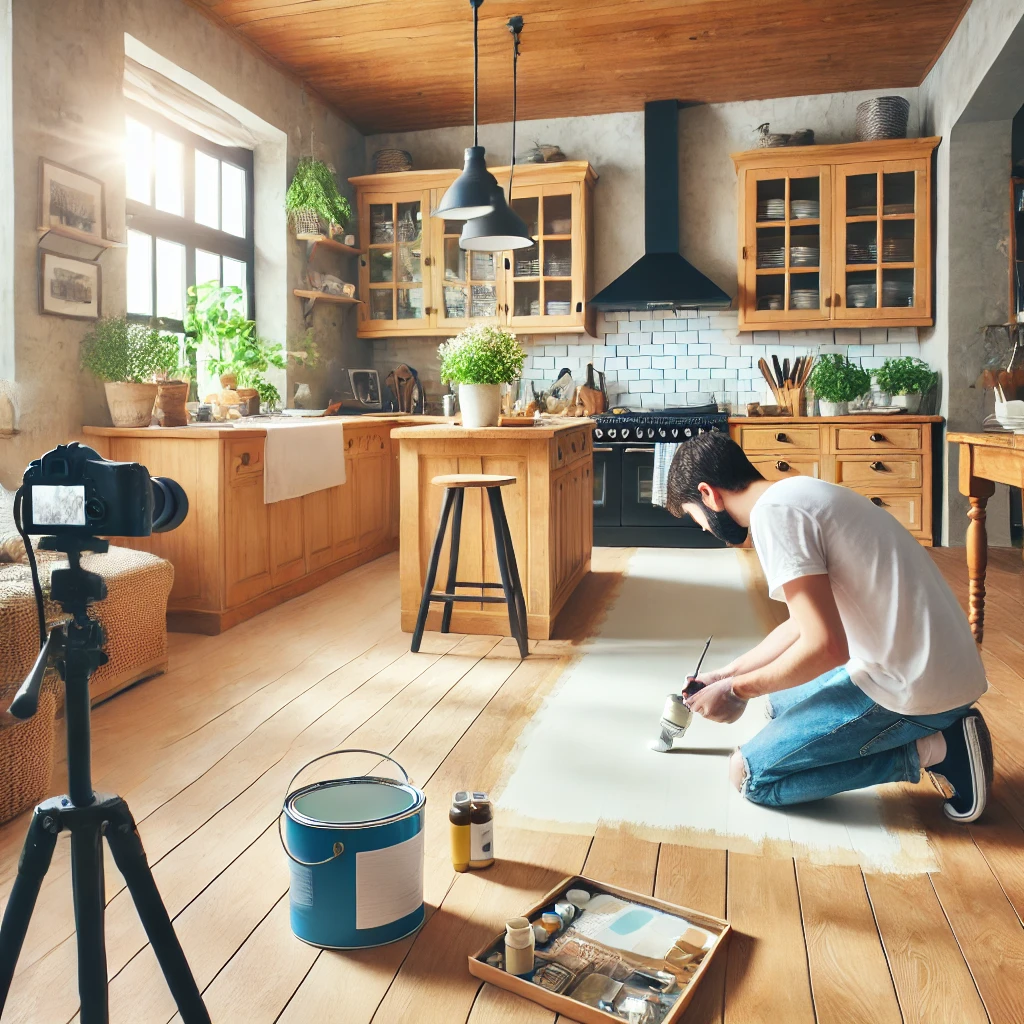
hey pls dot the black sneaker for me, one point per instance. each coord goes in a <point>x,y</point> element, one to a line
<point>966,769</point>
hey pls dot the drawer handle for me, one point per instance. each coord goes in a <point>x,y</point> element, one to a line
<point>596,450</point>
<point>878,502</point>
<point>245,458</point>
<point>574,446</point>
<point>782,467</point>
<point>780,436</point>
<point>559,452</point>
<point>879,467</point>
<point>877,438</point>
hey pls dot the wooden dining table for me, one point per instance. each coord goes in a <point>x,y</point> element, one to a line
<point>986,459</point>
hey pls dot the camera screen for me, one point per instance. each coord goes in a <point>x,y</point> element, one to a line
<point>62,505</point>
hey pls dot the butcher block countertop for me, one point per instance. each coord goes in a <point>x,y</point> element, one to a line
<point>447,430</point>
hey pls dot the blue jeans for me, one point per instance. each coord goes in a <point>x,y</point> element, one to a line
<point>826,737</point>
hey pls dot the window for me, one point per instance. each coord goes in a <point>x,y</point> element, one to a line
<point>189,204</point>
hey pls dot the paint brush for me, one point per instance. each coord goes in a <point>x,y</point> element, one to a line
<point>675,716</point>
<point>696,671</point>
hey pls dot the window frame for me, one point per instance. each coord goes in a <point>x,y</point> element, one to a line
<point>184,229</point>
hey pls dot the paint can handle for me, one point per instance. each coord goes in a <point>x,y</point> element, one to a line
<point>339,848</point>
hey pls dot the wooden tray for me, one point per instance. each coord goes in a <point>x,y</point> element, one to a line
<point>581,1011</point>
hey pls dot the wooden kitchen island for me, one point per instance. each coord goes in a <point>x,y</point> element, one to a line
<point>549,510</point>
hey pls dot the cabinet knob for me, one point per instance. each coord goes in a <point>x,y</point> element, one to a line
<point>838,300</point>
<point>828,301</point>
<point>878,502</point>
<point>879,467</point>
<point>428,261</point>
<point>574,446</point>
<point>877,438</point>
<point>781,466</point>
<point>245,458</point>
<point>780,436</point>
<point>560,452</point>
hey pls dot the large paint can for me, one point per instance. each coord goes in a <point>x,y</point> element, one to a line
<point>356,851</point>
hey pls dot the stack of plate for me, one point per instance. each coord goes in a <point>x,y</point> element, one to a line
<point>526,267</point>
<point>534,308</point>
<point>862,295</point>
<point>862,211</point>
<point>558,266</point>
<point>804,209</point>
<point>771,209</point>
<point>770,302</point>
<point>891,208</point>
<point>558,308</point>
<point>804,255</point>
<point>857,253</point>
<point>771,257</point>
<point>898,250</point>
<point>804,298</point>
<point>897,293</point>
<point>560,226</point>
<point>455,302</point>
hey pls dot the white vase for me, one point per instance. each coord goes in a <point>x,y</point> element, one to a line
<point>480,404</point>
<point>909,402</point>
<point>130,405</point>
<point>832,408</point>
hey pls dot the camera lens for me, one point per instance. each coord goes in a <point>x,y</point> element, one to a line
<point>170,504</point>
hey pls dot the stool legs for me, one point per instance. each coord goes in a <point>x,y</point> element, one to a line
<point>453,559</point>
<point>510,583</point>
<point>435,557</point>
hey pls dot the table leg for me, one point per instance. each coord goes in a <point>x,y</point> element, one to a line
<point>977,563</point>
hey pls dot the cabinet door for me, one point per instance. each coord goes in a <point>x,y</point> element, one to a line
<point>545,284</point>
<point>393,272</point>
<point>247,543</point>
<point>882,232</point>
<point>372,500</point>
<point>287,544</point>
<point>467,287</point>
<point>316,513</point>
<point>786,248</point>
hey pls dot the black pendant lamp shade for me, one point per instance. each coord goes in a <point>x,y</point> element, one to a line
<point>498,231</point>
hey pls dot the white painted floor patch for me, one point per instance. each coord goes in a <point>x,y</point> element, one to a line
<point>583,760</point>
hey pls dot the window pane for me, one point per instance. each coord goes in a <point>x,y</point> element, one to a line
<point>170,187</point>
<point>207,190</point>
<point>234,273</point>
<point>140,273</point>
<point>138,161</point>
<point>170,279</point>
<point>207,267</point>
<point>233,192</point>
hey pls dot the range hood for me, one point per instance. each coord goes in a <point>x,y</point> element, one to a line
<point>661,278</point>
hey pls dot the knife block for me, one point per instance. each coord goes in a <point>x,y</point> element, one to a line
<point>795,401</point>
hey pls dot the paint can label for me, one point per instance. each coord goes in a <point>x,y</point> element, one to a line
<point>301,885</point>
<point>389,883</point>
<point>481,841</point>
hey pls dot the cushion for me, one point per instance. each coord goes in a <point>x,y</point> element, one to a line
<point>12,548</point>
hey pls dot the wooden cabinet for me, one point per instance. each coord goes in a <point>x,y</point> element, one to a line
<point>887,460</point>
<point>415,280</point>
<point>833,236</point>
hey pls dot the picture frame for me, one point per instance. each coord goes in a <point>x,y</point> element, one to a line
<point>69,287</point>
<point>71,203</point>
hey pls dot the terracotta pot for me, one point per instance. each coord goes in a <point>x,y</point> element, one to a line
<point>480,404</point>
<point>131,405</point>
<point>170,403</point>
<point>229,381</point>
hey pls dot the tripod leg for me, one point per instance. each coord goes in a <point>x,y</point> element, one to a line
<point>90,905</point>
<point>130,857</point>
<point>35,860</point>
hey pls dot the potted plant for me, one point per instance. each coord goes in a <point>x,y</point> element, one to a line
<point>836,381</point>
<point>313,200</point>
<point>127,357</point>
<point>907,380</point>
<point>480,360</point>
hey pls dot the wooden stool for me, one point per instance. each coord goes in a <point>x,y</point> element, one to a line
<point>455,492</point>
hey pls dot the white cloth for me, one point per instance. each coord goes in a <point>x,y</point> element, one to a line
<point>911,648</point>
<point>303,456</point>
<point>663,455</point>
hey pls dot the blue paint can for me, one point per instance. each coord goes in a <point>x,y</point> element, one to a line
<point>356,851</point>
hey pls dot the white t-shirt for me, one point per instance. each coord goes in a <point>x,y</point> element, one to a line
<point>911,648</point>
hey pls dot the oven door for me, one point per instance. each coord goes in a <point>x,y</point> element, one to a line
<point>607,484</point>
<point>637,484</point>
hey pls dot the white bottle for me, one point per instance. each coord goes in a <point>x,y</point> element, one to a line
<point>519,946</point>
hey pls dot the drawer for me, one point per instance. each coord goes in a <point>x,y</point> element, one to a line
<point>907,508</point>
<point>568,447</point>
<point>245,457</point>
<point>881,438</point>
<point>782,438</point>
<point>886,472</point>
<point>779,468</point>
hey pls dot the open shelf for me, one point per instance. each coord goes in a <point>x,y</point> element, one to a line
<point>312,298</point>
<point>81,236</point>
<point>328,243</point>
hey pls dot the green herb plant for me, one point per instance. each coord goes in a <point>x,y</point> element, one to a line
<point>313,188</point>
<point>117,349</point>
<point>835,379</point>
<point>481,354</point>
<point>906,376</point>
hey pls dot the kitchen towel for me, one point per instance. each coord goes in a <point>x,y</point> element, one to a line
<point>663,454</point>
<point>302,457</point>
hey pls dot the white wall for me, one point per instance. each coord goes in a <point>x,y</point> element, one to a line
<point>6,197</point>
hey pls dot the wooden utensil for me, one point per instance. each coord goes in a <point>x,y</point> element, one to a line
<point>778,369</point>
<point>797,364</point>
<point>762,365</point>
<point>592,394</point>
<point>785,372</point>
<point>806,372</point>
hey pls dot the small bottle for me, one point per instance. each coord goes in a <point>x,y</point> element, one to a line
<point>459,830</point>
<point>519,946</point>
<point>481,832</point>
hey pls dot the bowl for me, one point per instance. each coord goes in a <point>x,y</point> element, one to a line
<point>1010,414</point>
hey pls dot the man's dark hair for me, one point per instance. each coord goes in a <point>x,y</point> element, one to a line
<point>712,458</point>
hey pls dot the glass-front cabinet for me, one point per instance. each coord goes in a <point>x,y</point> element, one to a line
<point>836,233</point>
<point>415,279</point>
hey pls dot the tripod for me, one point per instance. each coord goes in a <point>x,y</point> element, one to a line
<point>76,649</point>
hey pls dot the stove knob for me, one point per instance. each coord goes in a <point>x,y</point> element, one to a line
<point>675,432</point>
<point>687,432</point>
<point>650,431</point>
<point>598,433</point>
<point>625,433</point>
<point>612,433</point>
<point>662,432</point>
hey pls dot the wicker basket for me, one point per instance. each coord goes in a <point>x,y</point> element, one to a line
<point>884,117</point>
<point>387,161</point>
<point>307,222</point>
<point>766,139</point>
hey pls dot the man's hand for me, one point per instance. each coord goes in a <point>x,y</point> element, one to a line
<point>717,703</point>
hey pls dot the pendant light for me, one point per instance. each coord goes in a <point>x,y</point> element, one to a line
<point>501,229</point>
<point>471,193</point>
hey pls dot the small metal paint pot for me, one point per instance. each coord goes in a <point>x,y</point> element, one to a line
<point>356,850</point>
<point>566,911</point>
<point>579,898</point>
<point>552,923</point>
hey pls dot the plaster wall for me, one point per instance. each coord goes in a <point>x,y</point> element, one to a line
<point>68,58</point>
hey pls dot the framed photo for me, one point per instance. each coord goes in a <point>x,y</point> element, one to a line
<point>68,287</point>
<point>71,203</point>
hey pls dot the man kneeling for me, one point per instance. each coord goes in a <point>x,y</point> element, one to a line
<point>873,675</point>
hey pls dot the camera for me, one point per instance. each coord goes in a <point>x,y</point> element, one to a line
<point>74,491</point>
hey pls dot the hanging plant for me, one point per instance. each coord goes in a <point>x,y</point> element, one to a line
<point>313,195</point>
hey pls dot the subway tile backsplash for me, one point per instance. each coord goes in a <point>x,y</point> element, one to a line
<point>668,357</point>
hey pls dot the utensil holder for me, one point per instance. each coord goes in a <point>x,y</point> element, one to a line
<point>795,401</point>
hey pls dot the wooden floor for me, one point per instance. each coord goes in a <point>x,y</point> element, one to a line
<point>204,756</point>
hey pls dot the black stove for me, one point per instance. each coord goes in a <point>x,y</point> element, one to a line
<point>624,447</point>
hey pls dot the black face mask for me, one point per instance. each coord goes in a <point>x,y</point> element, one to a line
<point>724,527</point>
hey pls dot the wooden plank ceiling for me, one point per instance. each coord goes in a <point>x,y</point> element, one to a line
<point>398,66</point>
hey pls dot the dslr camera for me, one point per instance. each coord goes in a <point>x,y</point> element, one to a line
<point>73,491</point>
